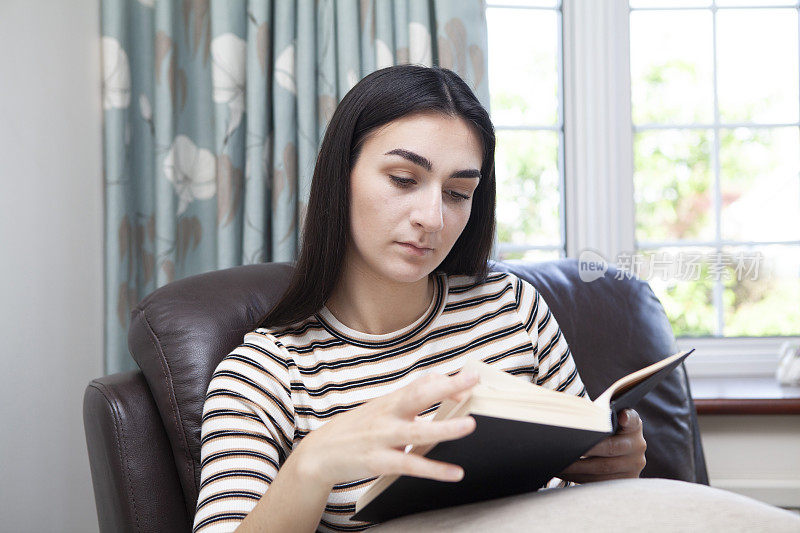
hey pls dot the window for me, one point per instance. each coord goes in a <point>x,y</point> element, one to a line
<point>526,110</point>
<point>675,139</point>
<point>716,156</point>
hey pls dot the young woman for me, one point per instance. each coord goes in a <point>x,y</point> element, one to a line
<point>390,297</point>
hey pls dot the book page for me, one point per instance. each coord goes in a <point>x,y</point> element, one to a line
<point>500,385</point>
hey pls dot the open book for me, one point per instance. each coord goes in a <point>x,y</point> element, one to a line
<point>525,435</point>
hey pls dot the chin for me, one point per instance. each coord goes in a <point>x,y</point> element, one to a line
<point>408,273</point>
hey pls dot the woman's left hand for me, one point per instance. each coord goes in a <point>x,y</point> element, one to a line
<point>618,456</point>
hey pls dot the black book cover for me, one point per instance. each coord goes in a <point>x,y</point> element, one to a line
<point>629,398</point>
<point>502,457</point>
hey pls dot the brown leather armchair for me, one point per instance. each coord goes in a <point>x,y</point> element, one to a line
<point>143,427</point>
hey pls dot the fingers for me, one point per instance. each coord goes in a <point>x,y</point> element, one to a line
<point>616,457</point>
<point>429,432</point>
<point>621,455</point>
<point>597,466</point>
<point>628,440</point>
<point>613,446</point>
<point>430,389</point>
<point>629,422</point>
<point>457,397</point>
<point>389,462</point>
<point>591,469</point>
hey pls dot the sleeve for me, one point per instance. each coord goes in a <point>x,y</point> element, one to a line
<point>555,367</point>
<point>246,434</point>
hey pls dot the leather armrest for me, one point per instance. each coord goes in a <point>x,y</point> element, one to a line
<point>127,443</point>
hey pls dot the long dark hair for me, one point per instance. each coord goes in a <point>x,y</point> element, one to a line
<point>379,98</point>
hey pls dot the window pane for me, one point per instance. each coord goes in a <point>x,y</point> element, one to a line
<point>672,67</point>
<point>760,184</point>
<point>531,255</point>
<point>757,65</point>
<point>670,3</point>
<point>528,197</point>
<point>762,290</point>
<point>523,66</point>
<point>538,3</point>
<point>680,279</point>
<point>724,3</point>
<point>673,185</point>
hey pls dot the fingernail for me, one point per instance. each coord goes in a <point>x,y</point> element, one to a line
<point>456,473</point>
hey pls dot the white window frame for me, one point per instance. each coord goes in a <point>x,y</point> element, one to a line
<point>598,167</point>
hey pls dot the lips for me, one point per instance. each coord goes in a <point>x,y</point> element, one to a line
<point>417,245</point>
<point>415,249</point>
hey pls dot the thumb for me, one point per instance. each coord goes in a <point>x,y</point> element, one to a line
<point>629,421</point>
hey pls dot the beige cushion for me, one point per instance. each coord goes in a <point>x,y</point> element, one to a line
<point>647,505</point>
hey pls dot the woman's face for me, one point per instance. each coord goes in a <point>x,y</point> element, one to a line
<point>412,183</point>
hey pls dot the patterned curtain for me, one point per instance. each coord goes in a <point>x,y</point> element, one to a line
<point>213,115</point>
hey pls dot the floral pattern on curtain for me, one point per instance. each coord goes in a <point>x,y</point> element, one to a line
<point>213,116</point>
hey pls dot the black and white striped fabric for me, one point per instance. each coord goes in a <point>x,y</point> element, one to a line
<point>278,385</point>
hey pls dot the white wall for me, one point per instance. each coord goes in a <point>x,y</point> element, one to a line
<point>51,262</point>
<point>756,455</point>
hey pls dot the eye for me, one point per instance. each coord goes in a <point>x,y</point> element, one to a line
<point>402,182</point>
<point>458,197</point>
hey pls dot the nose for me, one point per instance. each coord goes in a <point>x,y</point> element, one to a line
<point>427,212</point>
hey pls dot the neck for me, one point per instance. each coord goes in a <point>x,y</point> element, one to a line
<point>372,305</point>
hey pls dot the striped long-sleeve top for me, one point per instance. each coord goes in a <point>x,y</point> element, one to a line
<point>280,384</point>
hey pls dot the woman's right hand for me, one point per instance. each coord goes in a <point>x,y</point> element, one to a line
<point>370,439</point>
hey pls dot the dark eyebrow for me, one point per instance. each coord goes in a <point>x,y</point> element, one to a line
<point>425,163</point>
